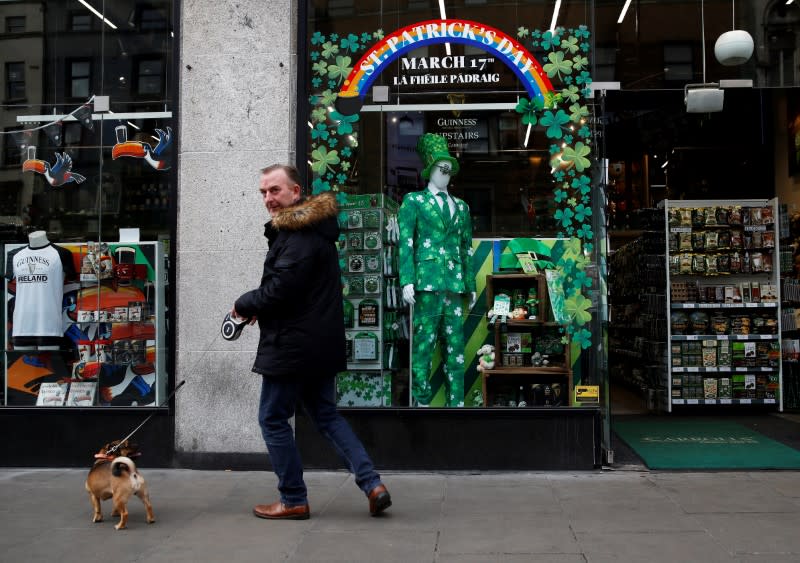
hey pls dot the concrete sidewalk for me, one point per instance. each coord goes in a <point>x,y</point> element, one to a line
<point>632,515</point>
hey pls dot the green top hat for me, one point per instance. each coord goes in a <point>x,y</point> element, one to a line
<point>431,149</point>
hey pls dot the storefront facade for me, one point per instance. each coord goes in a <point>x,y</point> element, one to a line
<point>345,90</point>
<point>88,189</point>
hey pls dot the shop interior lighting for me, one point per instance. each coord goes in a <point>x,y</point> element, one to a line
<point>705,97</point>
<point>624,11</point>
<point>789,2</point>
<point>98,14</point>
<point>443,15</point>
<point>556,9</point>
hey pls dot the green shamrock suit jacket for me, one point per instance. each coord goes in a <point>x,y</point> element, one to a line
<point>435,253</point>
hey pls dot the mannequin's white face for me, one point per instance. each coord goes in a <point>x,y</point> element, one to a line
<point>439,177</point>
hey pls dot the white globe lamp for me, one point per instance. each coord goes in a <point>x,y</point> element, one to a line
<point>733,47</point>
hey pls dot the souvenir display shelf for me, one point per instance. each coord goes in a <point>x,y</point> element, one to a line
<point>790,309</point>
<point>724,324</point>
<point>114,346</point>
<point>519,379</point>
<point>375,314</point>
<point>637,314</point>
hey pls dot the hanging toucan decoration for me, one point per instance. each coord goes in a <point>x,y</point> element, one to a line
<point>56,174</point>
<point>159,157</point>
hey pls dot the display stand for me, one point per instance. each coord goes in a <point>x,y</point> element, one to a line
<point>114,346</point>
<point>722,300</point>
<point>790,312</point>
<point>374,309</point>
<point>532,365</point>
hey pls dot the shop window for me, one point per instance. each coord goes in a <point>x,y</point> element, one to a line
<point>15,24</point>
<point>150,77</point>
<point>9,197</point>
<point>151,18</point>
<point>15,81</point>
<point>73,132</point>
<point>338,8</point>
<point>605,59</point>
<point>80,78</point>
<point>80,22</point>
<point>678,63</point>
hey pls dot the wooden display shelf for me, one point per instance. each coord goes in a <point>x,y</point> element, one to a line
<point>525,374</point>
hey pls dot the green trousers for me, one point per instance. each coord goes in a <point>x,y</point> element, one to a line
<point>438,315</point>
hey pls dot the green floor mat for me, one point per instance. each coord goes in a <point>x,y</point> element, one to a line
<point>666,443</point>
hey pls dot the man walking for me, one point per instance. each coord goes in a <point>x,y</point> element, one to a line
<point>302,343</point>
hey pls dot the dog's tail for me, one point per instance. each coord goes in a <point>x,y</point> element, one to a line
<point>121,465</point>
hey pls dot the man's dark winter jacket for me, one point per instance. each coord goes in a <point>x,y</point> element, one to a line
<point>299,303</point>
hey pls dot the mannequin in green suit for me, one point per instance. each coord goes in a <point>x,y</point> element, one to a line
<point>436,274</point>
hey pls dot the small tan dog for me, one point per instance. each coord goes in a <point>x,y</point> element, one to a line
<point>114,476</point>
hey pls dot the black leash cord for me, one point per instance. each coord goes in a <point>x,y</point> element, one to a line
<point>146,420</point>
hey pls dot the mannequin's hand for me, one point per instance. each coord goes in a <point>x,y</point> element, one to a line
<point>408,294</point>
<point>473,298</point>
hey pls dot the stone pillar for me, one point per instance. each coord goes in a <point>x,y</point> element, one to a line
<point>238,97</point>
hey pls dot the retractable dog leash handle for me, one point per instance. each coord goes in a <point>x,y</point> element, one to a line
<point>135,430</point>
<point>232,327</point>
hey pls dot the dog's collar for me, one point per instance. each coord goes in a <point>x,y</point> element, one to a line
<point>113,457</point>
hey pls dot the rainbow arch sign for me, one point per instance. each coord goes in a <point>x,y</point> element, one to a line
<point>403,40</point>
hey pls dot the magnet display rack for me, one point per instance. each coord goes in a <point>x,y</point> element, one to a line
<point>374,309</point>
<point>724,319</point>
<point>515,378</point>
<point>790,310</point>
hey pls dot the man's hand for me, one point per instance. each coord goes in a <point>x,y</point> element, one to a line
<point>408,294</point>
<point>250,321</point>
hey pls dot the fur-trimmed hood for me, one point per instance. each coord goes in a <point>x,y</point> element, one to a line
<point>319,212</point>
<point>307,213</point>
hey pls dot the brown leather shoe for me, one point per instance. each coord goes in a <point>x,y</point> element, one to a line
<point>379,500</point>
<point>279,511</point>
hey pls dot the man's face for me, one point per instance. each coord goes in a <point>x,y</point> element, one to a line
<point>278,190</point>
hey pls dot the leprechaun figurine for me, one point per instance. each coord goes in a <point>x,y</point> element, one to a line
<point>435,254</point>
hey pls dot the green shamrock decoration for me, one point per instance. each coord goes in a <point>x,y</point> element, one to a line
<point>563,114</point>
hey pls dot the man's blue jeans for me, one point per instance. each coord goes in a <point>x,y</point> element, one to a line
<point>317,394</point>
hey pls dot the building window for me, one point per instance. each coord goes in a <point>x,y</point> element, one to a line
<point>12,155</point>
<point>80,22</point>
<point>15,24</point>
<point>15,81</point>
<point>149,77</point>
<point>80,72</point>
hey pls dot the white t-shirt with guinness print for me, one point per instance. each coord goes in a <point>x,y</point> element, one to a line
<point>40,275</point>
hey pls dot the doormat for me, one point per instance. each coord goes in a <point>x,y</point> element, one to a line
<point>667,443</point>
